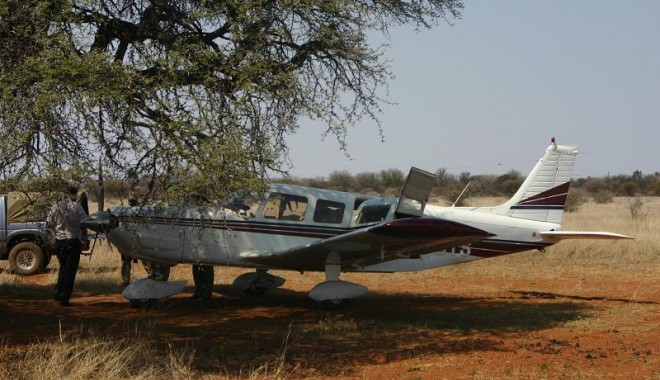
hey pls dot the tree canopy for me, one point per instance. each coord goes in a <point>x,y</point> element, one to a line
<point>204,92</point>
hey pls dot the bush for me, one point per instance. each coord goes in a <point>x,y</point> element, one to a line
<point>367,180</point>
<point>603,196</point>
<point>637,207</point>
<point>392,178</point>
<point>576,198</point>
<point>507,184</point>
<point>628,188</point>
<point>452,192</point>
<point>341,180</point>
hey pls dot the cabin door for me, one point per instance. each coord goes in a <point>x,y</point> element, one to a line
<point>415,193</point>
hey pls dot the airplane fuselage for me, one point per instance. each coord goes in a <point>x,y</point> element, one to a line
<point>293,216</point>
<point>306,229</point>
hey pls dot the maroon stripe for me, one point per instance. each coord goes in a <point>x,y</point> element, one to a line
<point>427,229</point>
<point>552,197</point>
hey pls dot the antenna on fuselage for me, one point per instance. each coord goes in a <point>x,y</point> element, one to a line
<point>461,194</point>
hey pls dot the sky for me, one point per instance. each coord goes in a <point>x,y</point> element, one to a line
<point>485,94</point>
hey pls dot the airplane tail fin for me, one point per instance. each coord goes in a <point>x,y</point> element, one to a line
<point>542,196</point>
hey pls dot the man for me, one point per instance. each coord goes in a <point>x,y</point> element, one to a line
<point>64,224</point>
<point>203,278</point>
<point>126,264</point>
<point>127,261</point>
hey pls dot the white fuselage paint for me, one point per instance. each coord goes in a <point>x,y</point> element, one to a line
<point>226,238</point>
<point>223,237</point>
<point>504,228</point>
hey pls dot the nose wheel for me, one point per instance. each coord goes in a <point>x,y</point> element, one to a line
<point>256,284</point>
<point>255,290</point>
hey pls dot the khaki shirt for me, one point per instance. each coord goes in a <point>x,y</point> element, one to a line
<point>64,220</point>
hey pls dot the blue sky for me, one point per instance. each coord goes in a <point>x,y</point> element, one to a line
<point>486,94</point>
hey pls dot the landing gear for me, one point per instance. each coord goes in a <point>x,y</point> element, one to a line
<point>336,304</point>
<point>256,284</point>
<point>333,293</point>
<point>158,272</point>
<point>254,290</point>
<point>150,292</point>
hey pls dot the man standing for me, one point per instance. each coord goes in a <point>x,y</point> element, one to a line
<point>203,278</point>
<point>64,223</point>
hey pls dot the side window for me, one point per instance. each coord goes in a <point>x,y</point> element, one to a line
<point>272,208</point>
<point>373,214</point>
<point>329,212</point>
<point>285,207</point>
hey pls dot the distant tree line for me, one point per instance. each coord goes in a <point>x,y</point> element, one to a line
<point>388,183</point>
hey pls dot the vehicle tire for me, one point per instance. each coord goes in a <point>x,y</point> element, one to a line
<point>27,258</point>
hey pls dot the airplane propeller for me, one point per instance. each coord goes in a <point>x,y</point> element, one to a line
<point>101,198</point>
<point>101,221</point>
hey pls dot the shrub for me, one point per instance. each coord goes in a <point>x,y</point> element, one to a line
<point>392,178</point>
<point>603,196</point>
<point>576,198</point>
<point>367,180</point>
<point>341,180</point>
<point>637,208</point>
<point>452,192</point>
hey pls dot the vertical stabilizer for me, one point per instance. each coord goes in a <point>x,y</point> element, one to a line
<point>543,195</point>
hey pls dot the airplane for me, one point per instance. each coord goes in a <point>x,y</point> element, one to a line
<point>308,229</point>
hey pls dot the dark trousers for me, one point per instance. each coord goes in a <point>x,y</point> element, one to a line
<point>68,254</point>
<point>126,262</point>
<point>203,277</point>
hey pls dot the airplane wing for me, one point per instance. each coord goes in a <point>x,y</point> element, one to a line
<point>409,237</point>
<point>556,236</point>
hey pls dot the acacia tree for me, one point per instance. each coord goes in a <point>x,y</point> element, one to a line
<point>199,90</point>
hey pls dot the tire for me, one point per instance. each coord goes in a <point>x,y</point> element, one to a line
<point>255,291</point>
<point>333,304</point>
<point>27,258</point>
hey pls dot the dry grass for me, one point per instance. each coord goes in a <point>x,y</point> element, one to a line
<point>89,355</point>
<point>420,325</point>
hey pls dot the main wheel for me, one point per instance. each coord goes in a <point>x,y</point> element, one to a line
<point>27,258</point>
<point>333,304</point>
<point>255,291</point>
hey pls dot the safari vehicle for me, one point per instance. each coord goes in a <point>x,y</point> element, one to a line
<point>23,235</point>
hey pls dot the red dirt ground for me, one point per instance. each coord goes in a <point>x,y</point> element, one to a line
<point>408,326</point>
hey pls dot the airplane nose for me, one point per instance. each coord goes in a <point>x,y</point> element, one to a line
<point>101,221</point>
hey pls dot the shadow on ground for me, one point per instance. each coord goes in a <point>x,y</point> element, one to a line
<point>235,334</point>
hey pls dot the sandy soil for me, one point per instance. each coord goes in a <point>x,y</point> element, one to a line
<point>446,323</point>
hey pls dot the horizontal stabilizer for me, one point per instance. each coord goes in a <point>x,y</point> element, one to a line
<point>563,235</point>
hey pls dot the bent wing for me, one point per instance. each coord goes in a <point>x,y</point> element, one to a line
<point>409,237</point>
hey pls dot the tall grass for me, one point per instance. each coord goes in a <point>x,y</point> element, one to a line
<point>615,217</point>
<point>89,355</point>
